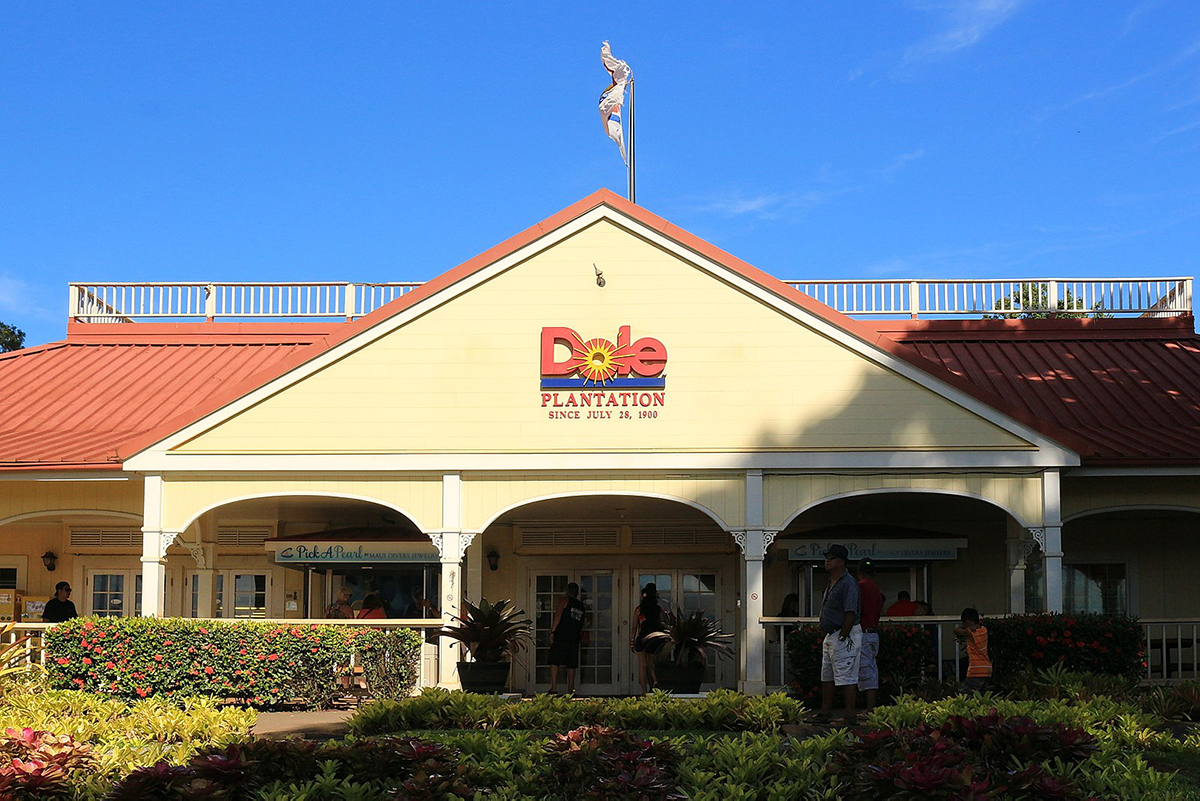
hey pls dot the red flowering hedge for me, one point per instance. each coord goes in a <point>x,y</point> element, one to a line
<point>1106,644</point>
<point>904,649</point>
<point>250,661</point>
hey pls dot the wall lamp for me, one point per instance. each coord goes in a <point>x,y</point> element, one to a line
<point>493,560</point>
<point>50,560</point>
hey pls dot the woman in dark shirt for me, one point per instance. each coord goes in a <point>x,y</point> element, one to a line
<point>649,620</point>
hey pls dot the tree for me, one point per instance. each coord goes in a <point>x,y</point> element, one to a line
<point>11,338</point>
<point>1032,302</point>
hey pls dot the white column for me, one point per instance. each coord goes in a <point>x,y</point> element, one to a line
<point>1052,548</point>
<point>754,543</point>
<point>1016,568</point>
<point>154,570</point>
<point>206,592</point>
<point>754,639</point>
<point>451,555</point>
<point>448,649</point>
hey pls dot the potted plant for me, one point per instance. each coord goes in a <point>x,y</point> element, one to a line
<point>692,636</point>
<point>492,634</point>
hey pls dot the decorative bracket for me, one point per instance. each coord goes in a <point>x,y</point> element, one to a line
<point>438,541</point>
<point>1039,536</point>
<point>196,549</point>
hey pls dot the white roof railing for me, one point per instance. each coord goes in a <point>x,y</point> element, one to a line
<point>1010,297</point>
<point>130,302</point>
<point>334,300</point>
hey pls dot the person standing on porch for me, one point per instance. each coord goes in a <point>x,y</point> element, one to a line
<point>566,634</point>
<point>871,603</point>
<point>60,607</point>
<point>648,621</point>
<point>843,636</point>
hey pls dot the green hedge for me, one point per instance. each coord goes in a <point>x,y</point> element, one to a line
<point>1104,644</point>
<point>245,660</point>
<point>434,709</point>
<point>904,649</point>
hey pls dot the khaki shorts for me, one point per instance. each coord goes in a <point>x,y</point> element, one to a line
<point>868,665</point>
<point>839,658</point>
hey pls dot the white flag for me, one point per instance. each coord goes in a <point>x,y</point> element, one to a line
<point>613,98</point>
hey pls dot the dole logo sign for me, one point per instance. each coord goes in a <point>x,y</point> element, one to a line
<point>600,362</point>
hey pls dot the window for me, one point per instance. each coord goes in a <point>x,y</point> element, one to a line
<point>8,578</point>
<point>249,595</point>
<point>1096,587</point>
<point>218,594</point>
<point>108,594</point>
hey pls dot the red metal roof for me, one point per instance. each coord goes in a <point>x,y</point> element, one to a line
<point>1130,387</point>
<point>71,404</point>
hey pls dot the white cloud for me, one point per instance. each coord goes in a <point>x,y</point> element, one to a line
<point>964,24</point>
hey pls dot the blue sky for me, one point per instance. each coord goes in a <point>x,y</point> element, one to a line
<point>376,142</point>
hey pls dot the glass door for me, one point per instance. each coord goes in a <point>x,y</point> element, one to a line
<point>597,668</point>
<point>690,591</point>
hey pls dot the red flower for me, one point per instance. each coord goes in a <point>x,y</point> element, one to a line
<point>204,631</point>
<point>62,660</point>
<point>110,666</point>
<point>142,691</point>
<point>89,626</point>
<point>272,657</point>
<point>87,661</point>
<point>158,657</point>
<point>208,670</point>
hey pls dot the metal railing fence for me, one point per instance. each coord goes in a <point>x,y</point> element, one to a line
<point>1060,297</point>
<point>1172,647</point>
<point>130,302</point>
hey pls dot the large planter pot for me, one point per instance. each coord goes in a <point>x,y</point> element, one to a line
<point>489,678</point>
<point>684,680</point>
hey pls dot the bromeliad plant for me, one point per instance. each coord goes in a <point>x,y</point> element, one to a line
<point>490,632</point>
<point>692,636</point>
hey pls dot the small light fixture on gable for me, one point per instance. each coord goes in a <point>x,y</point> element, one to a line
<point>493,560</point>
<point>50,560</point>
<point>599,275</point>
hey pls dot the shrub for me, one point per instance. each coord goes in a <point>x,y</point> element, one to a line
<point>412,768</point>
<point>1104,644</point>
<point>720,710</point>
<point>904,650</point>
<point>963,758</point>
<point>602,762</point>
<point>38,764</point>
<point>251,661</point>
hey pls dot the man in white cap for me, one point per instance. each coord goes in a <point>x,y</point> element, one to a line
<point>843,636</point>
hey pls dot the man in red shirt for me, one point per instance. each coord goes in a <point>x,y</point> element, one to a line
<point>871,599</point>
<point>905,606</point>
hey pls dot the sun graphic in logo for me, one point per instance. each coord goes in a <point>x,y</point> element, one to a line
<point>598,360</point>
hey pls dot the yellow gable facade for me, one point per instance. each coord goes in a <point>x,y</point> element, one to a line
<point>743,373</point>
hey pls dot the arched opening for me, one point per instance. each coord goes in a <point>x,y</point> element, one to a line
<point>1135,561</point>
<point>610,545</point>
<point>948,551</point>
<point>39,549</point>
<point>292,556</point>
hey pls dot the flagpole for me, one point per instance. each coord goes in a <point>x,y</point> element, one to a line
<point>632,150</point>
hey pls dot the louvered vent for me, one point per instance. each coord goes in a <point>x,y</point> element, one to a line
<point>676,535</point>
<point>549,536</point>
<point>106,537</point>
<point>243,536</point>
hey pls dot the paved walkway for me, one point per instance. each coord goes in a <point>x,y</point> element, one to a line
<point>321,725</point>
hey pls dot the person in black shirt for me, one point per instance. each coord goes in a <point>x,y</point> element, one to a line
<point>60,607</point>
<point>566,633</point>
<point>649,620</point>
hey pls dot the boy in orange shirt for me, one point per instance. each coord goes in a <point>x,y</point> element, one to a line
<point>979,666</point>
